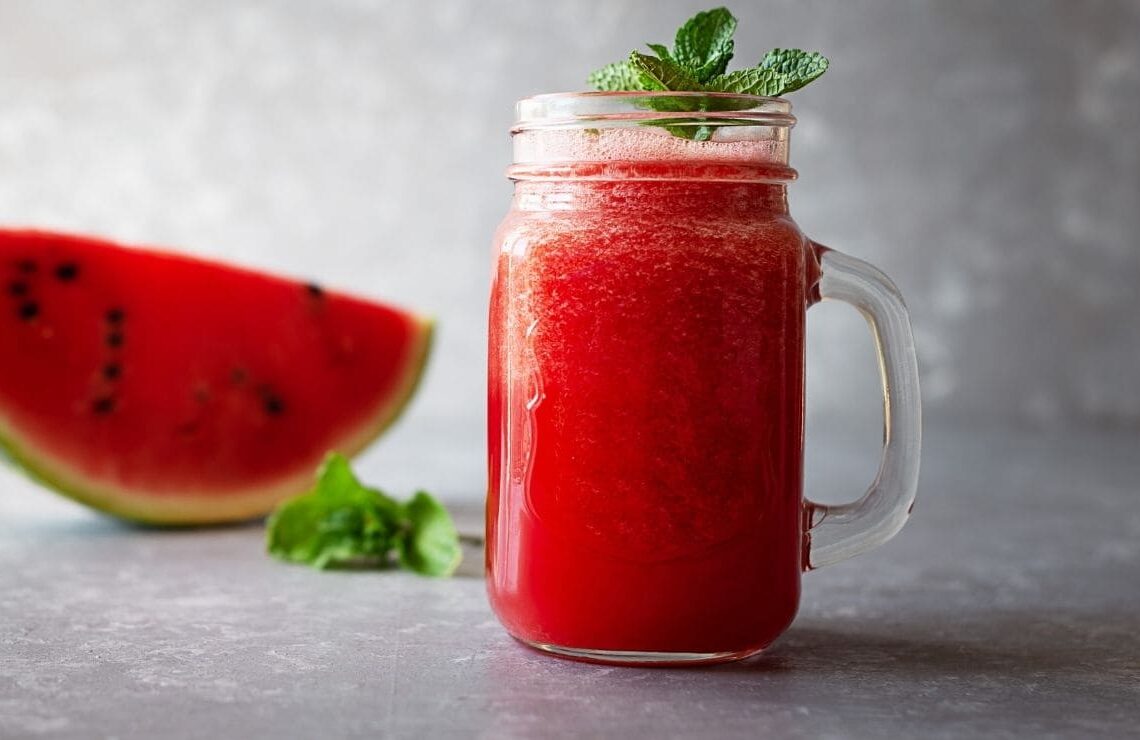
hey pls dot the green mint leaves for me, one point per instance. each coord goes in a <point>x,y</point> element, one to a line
<point>616,76</point>
<point>755,81</point>
<point>344,523</point>
<point>704,44</point>
<point>699,59</point>
<point>698,62</point>
<point>431,545</point>
<point>796,67</point>
<point>654,73</point>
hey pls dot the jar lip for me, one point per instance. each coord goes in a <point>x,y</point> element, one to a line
<point>601,109</point>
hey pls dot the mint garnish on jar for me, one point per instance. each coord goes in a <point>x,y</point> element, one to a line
<point>698,62</point>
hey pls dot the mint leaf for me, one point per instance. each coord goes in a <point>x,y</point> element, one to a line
<point>430,546</point>
<point>754,81</point>
<point>341,522</point>
<point>780,71</point>
<point>666,75</point>
<point>796,66</point>
<point>615,77</point>
<point>662,74</point>
<point>704,44</point>
<point>662,51</point>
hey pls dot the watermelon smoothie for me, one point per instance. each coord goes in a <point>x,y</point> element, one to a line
<point>646,395</point>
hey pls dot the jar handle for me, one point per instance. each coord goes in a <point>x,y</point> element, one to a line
<point>838,532</point>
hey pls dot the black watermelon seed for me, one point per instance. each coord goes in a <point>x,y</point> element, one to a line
<point>29,310</point>
<point>315,290</point>
<point>103,405</point>
<point>115,315</point>
<point>112,371</point>
<point>67,272</point>
<point>26,266</point>
<point>17,288</point>
<point>274,406</point>
<point>115,339</point>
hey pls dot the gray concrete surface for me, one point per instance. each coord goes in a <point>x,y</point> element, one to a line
<point>1009,607</point>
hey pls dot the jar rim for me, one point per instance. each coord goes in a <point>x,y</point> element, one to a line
<point>602,109</point>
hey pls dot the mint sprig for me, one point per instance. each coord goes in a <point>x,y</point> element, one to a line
<point>698,62</point>
<point>341,522</point>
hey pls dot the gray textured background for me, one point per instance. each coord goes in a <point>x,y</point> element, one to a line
<point>985,154</point>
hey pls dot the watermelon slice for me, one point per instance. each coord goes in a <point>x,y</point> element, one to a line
<point>171,390</point>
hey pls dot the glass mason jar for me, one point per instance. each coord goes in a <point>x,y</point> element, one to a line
<point>646,382</point>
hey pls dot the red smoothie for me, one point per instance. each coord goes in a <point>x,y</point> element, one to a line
<point>646,399</point>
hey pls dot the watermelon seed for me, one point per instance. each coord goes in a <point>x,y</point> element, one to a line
<point>67,272</point>
<point>112,371</point>
<point>271,402</point>
<point>201,393</point>
<point>103,405</point>
<point>274,406</point>
<point>29,310</point>
<point>115,316</point>
<point>238,376</point>
<point>26,266</point>
<point>115,339</point>
<point>315,290</point>
<point>18,288</point>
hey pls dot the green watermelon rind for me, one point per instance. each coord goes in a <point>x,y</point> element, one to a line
<point>219,507</point>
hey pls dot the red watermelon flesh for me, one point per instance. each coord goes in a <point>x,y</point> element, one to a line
<point>169,389</point>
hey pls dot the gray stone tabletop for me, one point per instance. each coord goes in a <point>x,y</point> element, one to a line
<point>1009,607</point>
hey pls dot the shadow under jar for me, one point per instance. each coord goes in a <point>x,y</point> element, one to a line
<point>646,382</point>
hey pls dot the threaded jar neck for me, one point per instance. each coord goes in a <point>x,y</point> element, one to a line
<point>652,136</point>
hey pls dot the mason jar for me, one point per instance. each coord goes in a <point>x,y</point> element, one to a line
<point>646,382</point>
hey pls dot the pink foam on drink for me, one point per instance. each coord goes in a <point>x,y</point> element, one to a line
<point>746,144</point>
